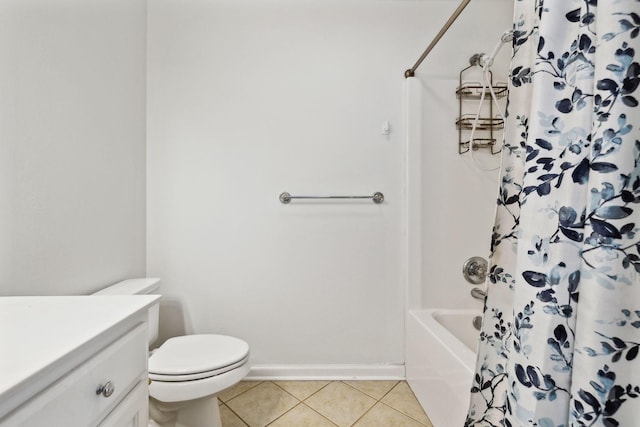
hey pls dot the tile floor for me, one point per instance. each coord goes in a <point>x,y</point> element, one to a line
<point>321,404</point>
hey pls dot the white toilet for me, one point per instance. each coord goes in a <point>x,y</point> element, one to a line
<point>186,372</point>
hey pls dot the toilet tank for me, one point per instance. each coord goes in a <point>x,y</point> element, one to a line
<point>142,286</point>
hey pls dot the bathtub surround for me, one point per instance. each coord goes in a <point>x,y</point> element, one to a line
<point>72,144</point>
<point>451,202</point>
<point>450,208</point>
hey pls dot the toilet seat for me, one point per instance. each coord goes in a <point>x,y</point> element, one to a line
<point>180,391</point>
<point>194,357</point>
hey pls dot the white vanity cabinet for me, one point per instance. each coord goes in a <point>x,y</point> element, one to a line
<point>86,367</point>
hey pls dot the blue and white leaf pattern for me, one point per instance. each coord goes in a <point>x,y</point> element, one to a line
<point>561,334</point>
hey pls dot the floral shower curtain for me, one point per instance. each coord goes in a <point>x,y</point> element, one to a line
<point>559,344</point>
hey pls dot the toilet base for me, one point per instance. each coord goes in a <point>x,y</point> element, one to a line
<point>203,412</point>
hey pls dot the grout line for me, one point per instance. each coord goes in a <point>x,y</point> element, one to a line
<point>371,397</point>
<point>322,415</point>
<point>302,402</point>
<point>406,415</point>
<point>367,394</point>
<point>243,392</point>
<point>423,411</point>
<point>390,390</point>
<point>283,414</point>
<point>317,391</point>
<point>365,413</point>
<point>295,397</point>
<point>245,422</point>
<point>397,410</point>
<point>237,415</point>
<point>383,403</point>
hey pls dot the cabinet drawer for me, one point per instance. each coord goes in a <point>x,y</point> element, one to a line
<point>72,400</point>
<point>133,411</point>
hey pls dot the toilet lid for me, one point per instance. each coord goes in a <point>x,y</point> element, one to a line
<point>197,356</point>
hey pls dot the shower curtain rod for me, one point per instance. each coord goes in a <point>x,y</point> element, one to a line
<point>411,72</point>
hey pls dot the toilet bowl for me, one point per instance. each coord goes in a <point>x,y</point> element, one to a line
<point>187,372</point>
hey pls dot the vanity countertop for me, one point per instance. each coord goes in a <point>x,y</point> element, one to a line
<point>42,338</point>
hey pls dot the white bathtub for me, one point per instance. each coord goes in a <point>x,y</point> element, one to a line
<point>440,361</point>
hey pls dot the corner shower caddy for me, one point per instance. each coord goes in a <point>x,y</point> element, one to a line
<point>485,126</point>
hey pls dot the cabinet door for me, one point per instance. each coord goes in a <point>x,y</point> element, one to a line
<point>133,411</point>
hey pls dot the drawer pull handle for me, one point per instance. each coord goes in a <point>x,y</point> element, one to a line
<point>106,390</point>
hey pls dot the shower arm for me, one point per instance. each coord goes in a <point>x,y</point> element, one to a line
<point>411,71</point>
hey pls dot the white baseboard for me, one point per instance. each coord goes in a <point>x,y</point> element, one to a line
<point>325,372</point>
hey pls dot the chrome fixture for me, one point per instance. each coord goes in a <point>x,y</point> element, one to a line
<point>377,197</point>
<point>478,293</point>
<point>106,390</point>
<point>412,71</point>
<point>477,322</point>
<point>467,121</point>
<point>474,270</point>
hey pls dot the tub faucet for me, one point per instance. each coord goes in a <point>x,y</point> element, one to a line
<point>478,293</point>
<point>474,270</point>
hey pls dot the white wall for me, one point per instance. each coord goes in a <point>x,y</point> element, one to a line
<point>451,201</point>
<point>251,98</point>
<point>72,142</point>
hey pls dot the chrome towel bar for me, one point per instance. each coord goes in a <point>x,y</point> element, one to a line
<point>377,197</point>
